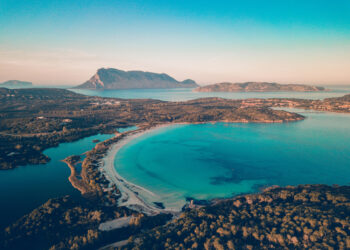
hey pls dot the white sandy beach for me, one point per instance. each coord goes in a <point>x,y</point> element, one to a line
<point>133,196</point>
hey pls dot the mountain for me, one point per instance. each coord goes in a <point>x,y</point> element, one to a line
<point>16,84</point>
<point>119,79</point>
<point>257,87</point>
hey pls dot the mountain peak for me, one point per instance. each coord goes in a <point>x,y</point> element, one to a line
<point>110,78</point>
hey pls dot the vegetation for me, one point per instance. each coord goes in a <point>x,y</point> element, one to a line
<point>306,216</point>
<point>73,223</point>
<point>109,78</point>
<point>32,120</point>
<point>91,182</point>
<point>335,104</point>
<point>311,216</point>
<point>68,223</point>
<point>257,87</point>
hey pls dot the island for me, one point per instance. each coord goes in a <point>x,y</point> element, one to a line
<point>257,87</point>
<point>109,78</point>
<point>16,84</point>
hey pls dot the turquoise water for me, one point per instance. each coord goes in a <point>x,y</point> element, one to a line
<point>220,160</point>
<point>23,189</point>
<point>126,129</point>
<point>183,94</point>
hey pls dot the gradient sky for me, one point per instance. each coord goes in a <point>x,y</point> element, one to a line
<point>66,41</point>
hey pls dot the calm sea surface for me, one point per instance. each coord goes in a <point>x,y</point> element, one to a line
<point>183,94</point>
<point>220,160</point>
<point>24,188</point>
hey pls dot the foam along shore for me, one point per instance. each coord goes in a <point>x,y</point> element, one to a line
<point>132,195</point>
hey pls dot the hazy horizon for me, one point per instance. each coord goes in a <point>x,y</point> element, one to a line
<point>65,84</point>
<point>64,42</point>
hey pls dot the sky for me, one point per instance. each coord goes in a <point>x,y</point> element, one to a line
<point>286,41</point>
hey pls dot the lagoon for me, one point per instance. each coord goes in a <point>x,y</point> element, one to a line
<point>24,188</point>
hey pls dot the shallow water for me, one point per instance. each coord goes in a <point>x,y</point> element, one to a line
<point>220,160</point>
<point>183,94</point>
<point>24,188</point>
<point>127,129</point>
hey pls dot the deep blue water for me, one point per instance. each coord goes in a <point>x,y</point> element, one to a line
<point>24,188</point>
<point>220,160</point>
<point>183,94</point>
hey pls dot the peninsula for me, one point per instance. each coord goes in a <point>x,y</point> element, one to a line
<point>109,78</point>
<point>33,120</point>
<point>257,87</point>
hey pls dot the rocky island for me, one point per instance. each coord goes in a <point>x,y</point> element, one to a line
<point>16,84</point>
<point>109,78</point>
<point>257,87</point>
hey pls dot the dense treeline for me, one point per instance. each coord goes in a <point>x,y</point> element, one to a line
<point>303,217</point>
<point>67,223</point>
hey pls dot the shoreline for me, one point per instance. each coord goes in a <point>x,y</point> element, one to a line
<point>73,178</point>
<point>131,194</point>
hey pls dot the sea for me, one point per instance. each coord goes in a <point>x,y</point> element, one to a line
<point>24,188</point>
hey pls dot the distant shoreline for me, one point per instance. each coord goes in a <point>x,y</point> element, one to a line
<point>258,87</point>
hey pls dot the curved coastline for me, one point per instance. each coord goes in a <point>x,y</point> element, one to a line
<point>132,195</point>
